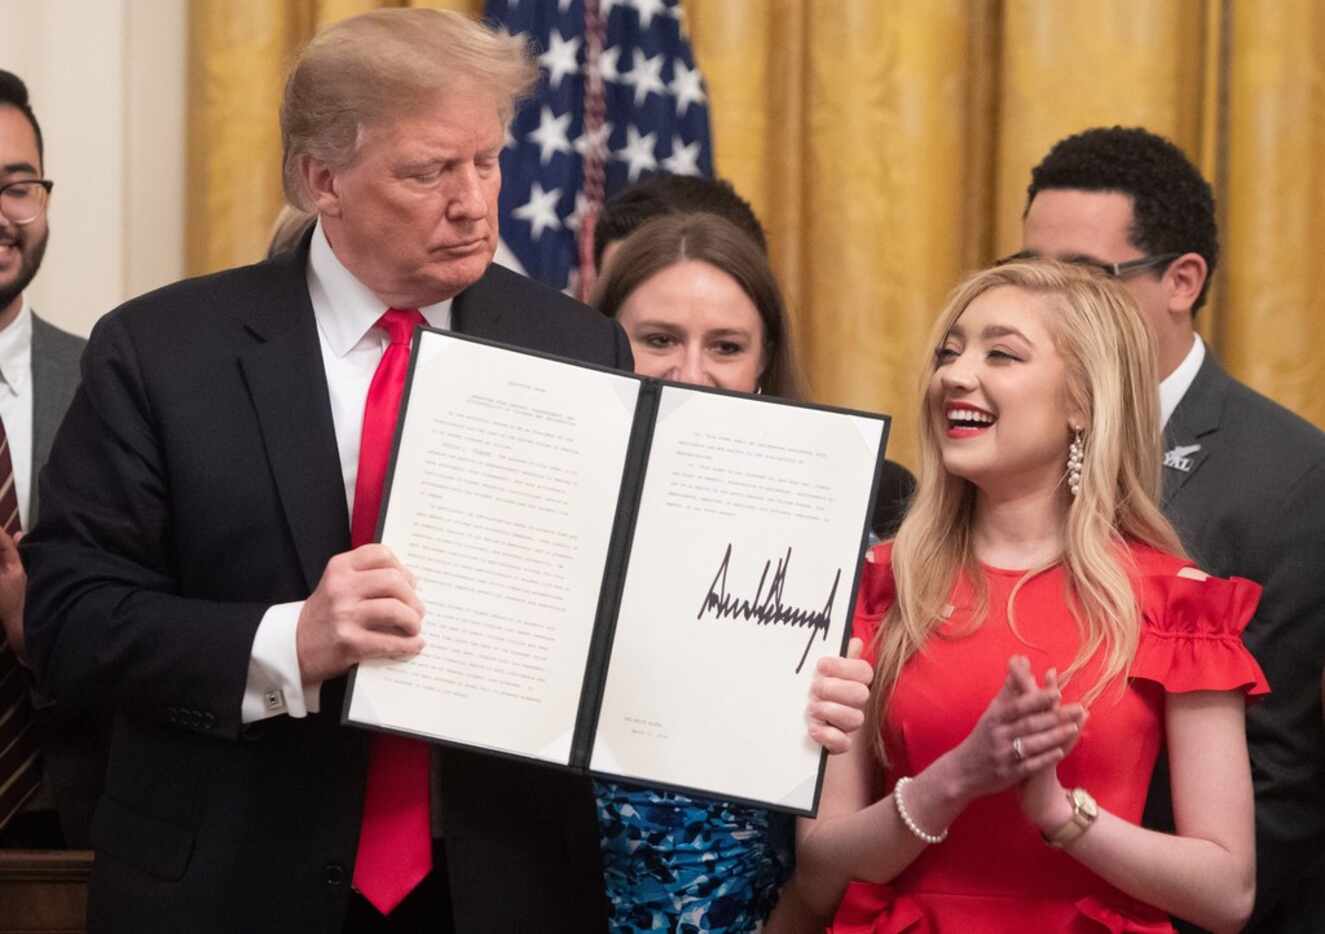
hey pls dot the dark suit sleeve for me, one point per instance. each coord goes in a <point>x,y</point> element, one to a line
<point>1285,732</point>
<point>104,622</point>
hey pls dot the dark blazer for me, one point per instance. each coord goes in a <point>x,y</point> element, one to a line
<point>896,487</point>
<point>1252,504</point>
<point>194,483</point>
<point>73,743</point>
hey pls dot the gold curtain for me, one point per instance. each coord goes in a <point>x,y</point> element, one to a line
<point>887,147</point>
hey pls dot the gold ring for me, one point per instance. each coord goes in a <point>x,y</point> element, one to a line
<point>1017,750</point>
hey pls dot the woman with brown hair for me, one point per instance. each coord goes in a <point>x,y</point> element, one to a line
<point>1035,579</point>
<point>699,303</point>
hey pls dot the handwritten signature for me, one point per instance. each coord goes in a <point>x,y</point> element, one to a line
<point>767,609</point>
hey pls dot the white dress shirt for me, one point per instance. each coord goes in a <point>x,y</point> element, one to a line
<point>345,310</point>
<point>16,403</point>
<point>1174,386</point>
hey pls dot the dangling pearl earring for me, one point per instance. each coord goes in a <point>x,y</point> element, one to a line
<point>1076,452</point>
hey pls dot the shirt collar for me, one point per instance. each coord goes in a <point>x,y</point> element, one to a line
<point>16,352</point>
<point>344,307</point>
<point>1174,386</point>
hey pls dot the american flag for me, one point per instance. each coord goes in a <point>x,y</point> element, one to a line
<point>620,97</point>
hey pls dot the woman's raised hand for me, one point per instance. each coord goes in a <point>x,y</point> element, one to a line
<point>1043,799</point>
<point>1022,731</point>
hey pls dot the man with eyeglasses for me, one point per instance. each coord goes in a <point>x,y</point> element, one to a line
<point>38,376</point>
<point>1244,478</point>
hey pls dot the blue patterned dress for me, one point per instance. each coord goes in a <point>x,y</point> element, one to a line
<point>689,865</point>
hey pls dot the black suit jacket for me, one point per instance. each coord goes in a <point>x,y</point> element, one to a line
<point>194,483</point>
<point>1252,504</point>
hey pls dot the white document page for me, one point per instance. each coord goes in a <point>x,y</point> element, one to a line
<point>740,577</point>
<point>502,502</point>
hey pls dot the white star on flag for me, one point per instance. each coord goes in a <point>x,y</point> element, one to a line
<point>646,76</point>
<point>560,58</point>
<point>589,129</point>
<point>638,152</point>
<point>586,144</point>
<point>607,64</point>
<point>688,86</point>
<point>647,10</point>
<point>551,135</point>
<point>583,207</point>
<point>684,159</point>
<point>540,210</point>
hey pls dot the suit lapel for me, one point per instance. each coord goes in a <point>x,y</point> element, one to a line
<point>477,313</point>
<point>288,385</point>
<point>1191,437</point>
<point>44,419</point>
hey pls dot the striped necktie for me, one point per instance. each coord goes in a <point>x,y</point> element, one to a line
<point>19,772</point>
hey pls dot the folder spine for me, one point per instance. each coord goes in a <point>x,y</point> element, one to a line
<point>614,575</point>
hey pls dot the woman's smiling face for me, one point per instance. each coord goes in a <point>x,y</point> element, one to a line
<point>998,394</point>
<point>693,323</point>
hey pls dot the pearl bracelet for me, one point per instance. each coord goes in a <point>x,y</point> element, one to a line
<point>906,818</point>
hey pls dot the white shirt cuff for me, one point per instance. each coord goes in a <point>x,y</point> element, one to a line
<point>274,686</point>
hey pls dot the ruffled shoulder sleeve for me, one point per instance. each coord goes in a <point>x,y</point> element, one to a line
<point>1191,629</point>
<point>875,595</point>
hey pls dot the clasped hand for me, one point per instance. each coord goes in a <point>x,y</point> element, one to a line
<point>365,607</point>
<point>1019,740</point>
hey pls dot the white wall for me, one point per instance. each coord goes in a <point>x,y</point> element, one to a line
<point>108,84</point>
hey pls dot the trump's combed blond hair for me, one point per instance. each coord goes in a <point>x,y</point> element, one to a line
<point>364,70</point>
<point>1109,358</point>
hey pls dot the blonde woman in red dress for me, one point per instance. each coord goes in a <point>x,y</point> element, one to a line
<point>1038,637</point>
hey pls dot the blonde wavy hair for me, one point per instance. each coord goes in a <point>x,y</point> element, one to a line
<point>365,70</point>
<point>1109,357</point>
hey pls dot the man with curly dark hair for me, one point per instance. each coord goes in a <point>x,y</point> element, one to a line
<point>1244,478</point>
<point>662,194</point>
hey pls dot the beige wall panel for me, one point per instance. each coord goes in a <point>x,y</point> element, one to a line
<point>107,84</point>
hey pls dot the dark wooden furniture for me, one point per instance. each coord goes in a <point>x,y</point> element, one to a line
<point>44,891</point>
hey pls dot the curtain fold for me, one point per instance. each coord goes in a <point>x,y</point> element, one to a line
<point>1274,195</point>
<point>887,148</point>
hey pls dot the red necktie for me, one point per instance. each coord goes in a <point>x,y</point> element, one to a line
<point>395,840</point>
<point>19,774</point>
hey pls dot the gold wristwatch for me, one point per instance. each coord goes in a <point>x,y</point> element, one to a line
<point>1084,812</point>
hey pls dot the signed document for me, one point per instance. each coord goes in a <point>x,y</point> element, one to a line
<point>623,576</point>
<point>742,569</point>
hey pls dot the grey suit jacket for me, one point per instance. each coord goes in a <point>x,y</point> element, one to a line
<point>73,743</point>
<point>55,356</point>
<point>1248,500</point>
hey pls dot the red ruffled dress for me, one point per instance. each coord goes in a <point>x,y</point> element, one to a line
<point>994,873</point>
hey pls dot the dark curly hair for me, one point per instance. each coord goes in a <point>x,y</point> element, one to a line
<point>14,93</point>
<point>1173,206</point>
<point>663,194</point>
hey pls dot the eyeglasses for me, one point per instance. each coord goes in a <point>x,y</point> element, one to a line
<point>23,201</point>
<point>1116,270</point>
